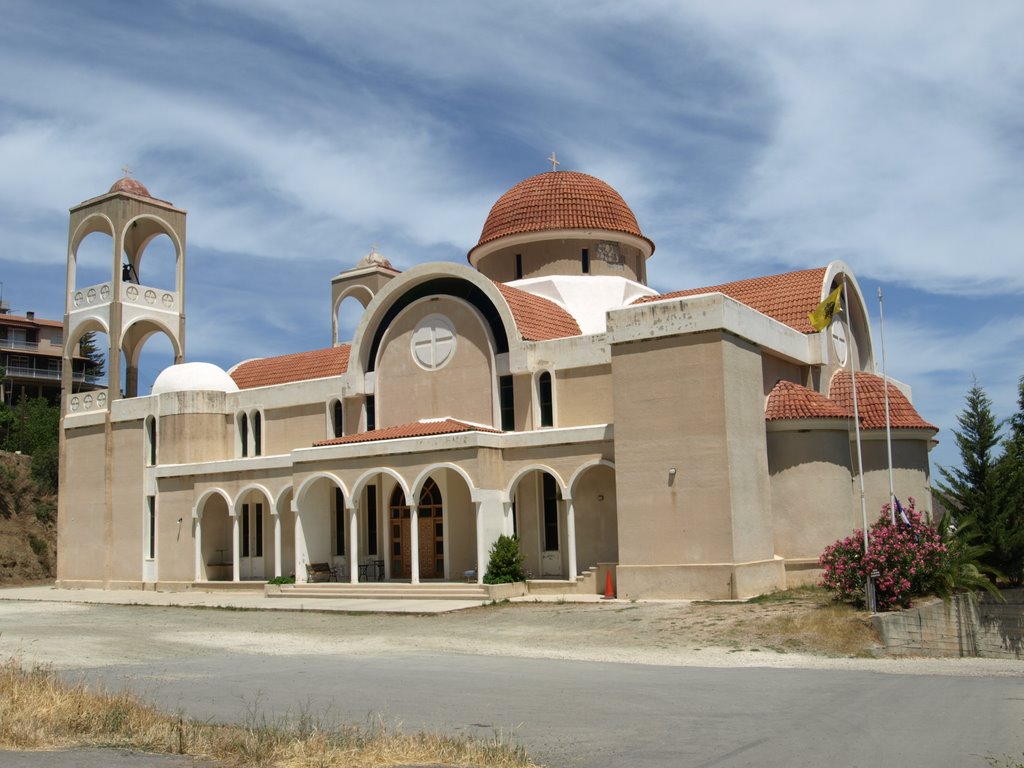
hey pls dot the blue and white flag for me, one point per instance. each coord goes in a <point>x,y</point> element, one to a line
<point>902,514</point>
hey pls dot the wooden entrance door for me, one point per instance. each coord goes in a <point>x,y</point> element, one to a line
<point>430,530</point>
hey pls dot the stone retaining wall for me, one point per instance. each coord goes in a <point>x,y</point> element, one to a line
<point>962,627</point>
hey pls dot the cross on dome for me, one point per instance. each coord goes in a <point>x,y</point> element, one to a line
<point>127,170</point>
<point>554,161</point>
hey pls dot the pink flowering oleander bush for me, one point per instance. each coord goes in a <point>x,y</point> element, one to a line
<point>907,555</point>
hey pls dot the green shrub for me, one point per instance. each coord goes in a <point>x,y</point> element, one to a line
<point>282,580</point>
<point>505,564</point>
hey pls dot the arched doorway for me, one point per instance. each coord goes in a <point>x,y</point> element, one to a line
<point>215,526</point>
<point>537,519</point>
<point>597,527</point>
<point>430,533</point>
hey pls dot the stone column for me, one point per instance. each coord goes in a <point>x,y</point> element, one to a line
<point>570,533</point>
<point>236,566</point>
<point>277,545</point>
<point>414,542</point>
<point>197,525</point>
<point>353,541</point>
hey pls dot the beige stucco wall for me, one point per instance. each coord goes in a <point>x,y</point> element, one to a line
<point>693,403</point>
<point>910,470</point>
<point>597,530</point>
<point>297,426</point>
<point>583,396</point>
<point>813,499</point>
<point>464,388</point>
<point>81,524</point>
<point>559,257</point>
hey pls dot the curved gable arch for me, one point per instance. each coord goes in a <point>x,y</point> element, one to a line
<point>859,319</point>
<point>431,280</point>
<point>138,331</point>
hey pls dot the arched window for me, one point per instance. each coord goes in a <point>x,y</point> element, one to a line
<point>243,434</point>
<point>337,419</point>
<point>257,433</point>
<point>150,441</point>
<point>545,401</point>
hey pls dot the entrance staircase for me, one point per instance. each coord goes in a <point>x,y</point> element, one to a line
<point>384,591</point>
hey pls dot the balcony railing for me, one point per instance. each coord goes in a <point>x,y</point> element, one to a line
<point>18,371</point>
<point>18,344</point>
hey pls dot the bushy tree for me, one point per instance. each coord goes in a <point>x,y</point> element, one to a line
<point>1010,544</point>
<point>505,564</point>
<point>32,427</point>
<point>973,491</point>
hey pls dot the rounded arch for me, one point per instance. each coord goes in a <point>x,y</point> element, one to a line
<point>284,497</point>
<point>583,468</point>
<point>431,280</point>
<point>85,324</point>
<point>94,222</point>
<point>137,235</point>
<point>300,494</point>
<point>250,488</point>
<point>139,330</point>
<point>200,503</point>
<point>422,477</point>
<point>366,477</point>
<point>344,315</point>
<point>360,293</point>
<point>520,474</point>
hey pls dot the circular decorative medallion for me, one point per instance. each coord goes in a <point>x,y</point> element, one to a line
<point>101,399</point>
<point>839,343</point>
<point>132,292</point>
<point>150,296</point>
<point>105,292</point>
<point>87,402</point>
<point>433,342</point>
<point>168,300</point>
<point>75,405</point>
<point>90,296</point>
<point>79,298</point>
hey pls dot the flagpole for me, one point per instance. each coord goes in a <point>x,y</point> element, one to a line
<point>860,457</point>
<point>888,420</point>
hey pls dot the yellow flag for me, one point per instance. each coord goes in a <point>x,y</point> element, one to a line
<point>823,313</point>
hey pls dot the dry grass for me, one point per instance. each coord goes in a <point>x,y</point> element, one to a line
<point>40,711</point>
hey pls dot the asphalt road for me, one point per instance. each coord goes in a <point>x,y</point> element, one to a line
<point>601,715</point>
<point>233,666</point>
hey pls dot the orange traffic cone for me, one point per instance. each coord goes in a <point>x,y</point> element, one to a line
<point>609,591</point>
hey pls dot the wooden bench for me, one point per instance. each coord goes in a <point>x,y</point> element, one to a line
<point>321,572</point>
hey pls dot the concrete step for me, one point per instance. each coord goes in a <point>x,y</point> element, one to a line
<point>383,591</point>
<point>228,586</point>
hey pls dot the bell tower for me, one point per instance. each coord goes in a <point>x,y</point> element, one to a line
<point>124,307</point>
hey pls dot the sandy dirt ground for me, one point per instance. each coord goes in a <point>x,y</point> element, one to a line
<point>670,633</point>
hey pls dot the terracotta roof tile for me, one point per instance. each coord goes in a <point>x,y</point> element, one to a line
<point>538,319</point>
<point>559,200</point>
<point>792,401</point>
<point>787,297</point>
<point>414,429</point>
<point>301,366</point>
<point>131,186</point>
<point>871,402</point>
<point>21,320</point>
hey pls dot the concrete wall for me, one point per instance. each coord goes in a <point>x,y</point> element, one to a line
<point>985,628</point>
<point>560,257</point>
<point>694,404</point>
<point>583,396</point>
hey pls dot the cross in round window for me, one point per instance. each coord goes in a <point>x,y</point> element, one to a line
<point>433,342</point>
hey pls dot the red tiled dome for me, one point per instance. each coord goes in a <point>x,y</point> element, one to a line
<point>559,200</point>
<point>131,186</point>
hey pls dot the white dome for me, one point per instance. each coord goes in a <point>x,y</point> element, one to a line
<point>193,377</point>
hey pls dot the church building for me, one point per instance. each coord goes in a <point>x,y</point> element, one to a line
<point>693,444</point>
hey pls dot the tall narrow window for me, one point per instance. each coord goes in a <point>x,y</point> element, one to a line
<point>371,413</point>
<point>245,530</point>
<point>371,519</point>
<point>519,266</point>
<point>550,514</point>
<point>151,440</point>
<point>585,261</point>
<point>337,419</point>
<point>258,543</point>
<point>257,434</point>
<point>339,522</point>
<point>544,400</point>
<point>507,402</point>
<point>151,527</point>
<point>243,434</point>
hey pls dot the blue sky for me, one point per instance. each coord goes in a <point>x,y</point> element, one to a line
<point>749,138</point>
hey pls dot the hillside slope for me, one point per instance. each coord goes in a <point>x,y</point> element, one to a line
<point>28,524</point>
